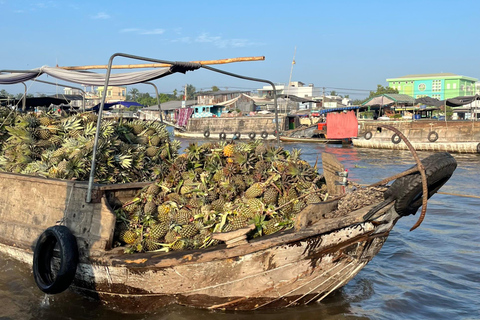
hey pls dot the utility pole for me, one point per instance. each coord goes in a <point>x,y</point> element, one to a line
<point>290,79</point>
<point>323,98</point>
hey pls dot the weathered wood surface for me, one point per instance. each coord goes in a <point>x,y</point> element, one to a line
<point>331,168</point>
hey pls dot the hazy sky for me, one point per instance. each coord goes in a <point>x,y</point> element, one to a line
<point>346,46</point>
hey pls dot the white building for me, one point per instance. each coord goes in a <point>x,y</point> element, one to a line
<point>296,88</point>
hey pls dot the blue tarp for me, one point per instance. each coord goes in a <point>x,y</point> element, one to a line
<point>108,106</point>
<point>338,109</point>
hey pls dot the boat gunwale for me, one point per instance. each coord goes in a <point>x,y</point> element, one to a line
<point>171,259</point>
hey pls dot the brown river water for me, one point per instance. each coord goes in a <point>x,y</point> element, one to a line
<point>430,273</point>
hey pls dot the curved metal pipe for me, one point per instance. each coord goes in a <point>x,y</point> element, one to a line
<point>158,100</point>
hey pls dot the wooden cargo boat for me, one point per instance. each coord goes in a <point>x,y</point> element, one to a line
<point>288,268</point>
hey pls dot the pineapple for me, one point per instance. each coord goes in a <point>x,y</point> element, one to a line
<point>188,231</point>
<point>228,150</point>
<point>159,230</point>
<point>255,190</point>
<point>128,236</point>
<point>150,208</point>
<point>270,196</point>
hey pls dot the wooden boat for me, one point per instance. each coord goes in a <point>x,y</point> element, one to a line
<point>312,140</point>
<point>293,267</point>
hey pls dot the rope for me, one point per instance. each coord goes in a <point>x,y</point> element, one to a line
<point>459,195</point>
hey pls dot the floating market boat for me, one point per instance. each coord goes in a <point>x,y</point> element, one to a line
<point>339,128</point>
<point>65,229</point>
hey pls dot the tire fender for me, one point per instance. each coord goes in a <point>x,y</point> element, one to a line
<point>236,135</point>
<point>222,135</point>
<point>432,136</point>
<point>396,138</point>
<point>408,190</point>
<point>478,148</point>
<point>264,134</point>
<point>43,255</point>
<point>206,133</point>
<point>368,135</point>
<point>252,135</point>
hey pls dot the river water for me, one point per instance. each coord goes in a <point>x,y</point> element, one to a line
<point>430,273</point>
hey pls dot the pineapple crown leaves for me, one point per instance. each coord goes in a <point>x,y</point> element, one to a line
<point>124,160</point>
<point>70,124</point>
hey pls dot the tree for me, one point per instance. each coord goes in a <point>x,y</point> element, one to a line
<point>333,93</point>
<point>215,88</point>
<point>4,93</point>
<point>381,90</point>
<point>134,94</point>
<point>175,92</point>
<point>190,92</point>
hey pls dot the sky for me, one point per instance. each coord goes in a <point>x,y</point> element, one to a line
<point>346,46</point>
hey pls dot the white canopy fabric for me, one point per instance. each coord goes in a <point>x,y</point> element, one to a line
<point>91,78</point>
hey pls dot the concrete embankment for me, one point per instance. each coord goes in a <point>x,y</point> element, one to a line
<point>451,136</point>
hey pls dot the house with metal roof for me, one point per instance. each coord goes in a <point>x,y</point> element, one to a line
<point>436,85</point>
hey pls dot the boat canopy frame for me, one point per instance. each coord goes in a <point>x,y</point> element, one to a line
<point>176,66</point>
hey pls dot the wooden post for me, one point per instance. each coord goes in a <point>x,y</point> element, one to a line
<point>331,166</point>
<point>164,65</point>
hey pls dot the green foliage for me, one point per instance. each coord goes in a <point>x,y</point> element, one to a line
<point>381,90</point>
<point>215,88</point>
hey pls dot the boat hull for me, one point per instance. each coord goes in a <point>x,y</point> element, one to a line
<point>313,140</point>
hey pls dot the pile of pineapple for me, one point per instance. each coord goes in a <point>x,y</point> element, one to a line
<point>218,187</point>
<point>60,147</point>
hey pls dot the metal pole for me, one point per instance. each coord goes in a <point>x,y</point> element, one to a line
<point>259,80</point>
<point>158,100</point>
<point>24,100</point>
<point>65,86</point>
<point>97,132</point>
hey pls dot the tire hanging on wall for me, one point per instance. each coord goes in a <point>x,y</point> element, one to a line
<point>236,135</point>
<point>368,135</point>
<point>432,136</point>
<point>222,135</point>
<point>55,237</point>
<point>396,138</point>
<point>264,134</point>
<point>206,133</point>
<point>408,190</point>
<point>252,135</point>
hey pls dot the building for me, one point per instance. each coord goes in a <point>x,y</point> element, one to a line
<point>296,88</point>
<point>169,109</point>
<point>438,85</point>
<point>114,93</point>
<point>231,100</point>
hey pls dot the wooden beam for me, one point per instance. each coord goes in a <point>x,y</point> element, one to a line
<point>163,65</point>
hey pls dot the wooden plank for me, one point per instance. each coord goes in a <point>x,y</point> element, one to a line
<point>331,166</point>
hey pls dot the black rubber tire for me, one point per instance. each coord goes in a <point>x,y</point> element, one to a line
<point>432,136</point>
<point>408,190</point>
<point>206,133</point>
<point>43,255</point>
<point>368,135</point>
<point>396,138</point>
<point>478,148</point>
<point>236,135</point>
<point>252,135</point>
<point>222,135</point>
<point>264,134</point>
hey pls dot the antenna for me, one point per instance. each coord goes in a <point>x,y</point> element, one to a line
<point>290,79</point>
